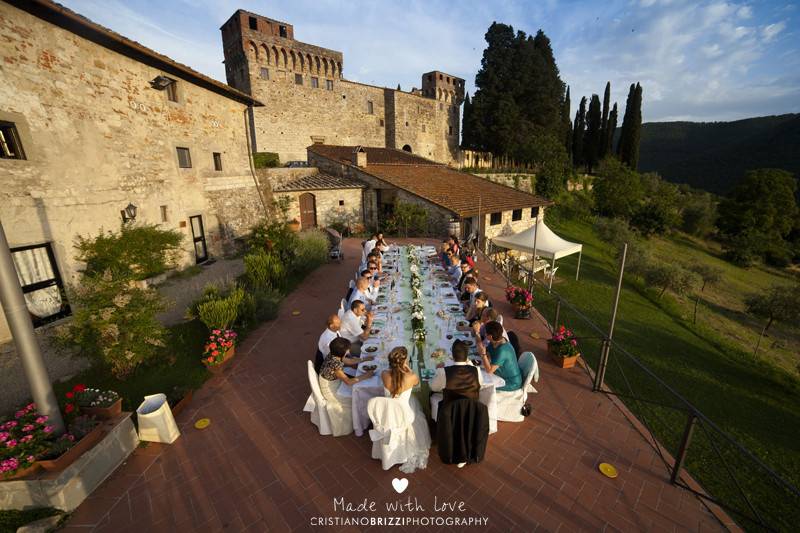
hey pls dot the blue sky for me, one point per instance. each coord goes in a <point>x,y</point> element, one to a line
<point>696,60</point>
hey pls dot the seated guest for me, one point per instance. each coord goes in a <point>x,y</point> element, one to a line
<point>362,287</point>
<point>453,242</point>
<point>499,358</point>
<point>444,254</point>
<point>472,289</point>
<point>334,324</point>
<point>465,272</point>
<point>381,243</point>
<point>373,285</point>
<point>356,323</point>
<point>454,271</point>
<point>459,380</point>
<point>466,295</point>
<point>370,245</point>
<point>489,314</point>
<point>331,376</point>
<point>481,303</point>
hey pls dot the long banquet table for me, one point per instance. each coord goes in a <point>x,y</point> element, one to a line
<point>392,326</point>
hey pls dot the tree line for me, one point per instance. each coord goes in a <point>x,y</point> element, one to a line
<point>521,110</point>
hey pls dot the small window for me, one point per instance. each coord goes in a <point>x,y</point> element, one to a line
<point>381,122</point>
<point>282,30</point>
<point>441,106</point>
<point>329,84</point>
<point>534,212</point>
<point>423,128</point>
<point>298,79</point>
<point>370,107</point>
<point>406,124</point>
<point>10,146</point>
<point>440,77</point>
<point>495,219</point>
<point>253,23</point>
<point>217,161</point>
<point>264,73</point>
<point>38,275</point>
<point>184,158</point>
<point>341,202</point>
<point>164,217</point>
<point>516,214</point>
<point>315,83</point>
<point>450,130</point>
<point>172,91</point>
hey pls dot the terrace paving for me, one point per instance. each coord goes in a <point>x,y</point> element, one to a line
<point>262,466</point>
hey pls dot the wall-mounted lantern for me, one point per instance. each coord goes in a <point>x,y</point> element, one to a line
<point>129,213</point>
<point>160,83</point>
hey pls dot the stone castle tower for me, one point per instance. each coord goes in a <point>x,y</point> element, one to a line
<point>307,99</point>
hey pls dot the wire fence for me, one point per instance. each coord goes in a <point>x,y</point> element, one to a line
<point>732,477</point>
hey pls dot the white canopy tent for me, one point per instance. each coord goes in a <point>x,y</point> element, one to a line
<point>545,243</point>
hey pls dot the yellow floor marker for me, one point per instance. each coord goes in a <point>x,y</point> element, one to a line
<point>607,470</point>
<point>295,313</point>
<point>203,423</point>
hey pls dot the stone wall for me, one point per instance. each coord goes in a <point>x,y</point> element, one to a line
<point>507,226</point>
<point>96,137</point>
<point>512,179</point>
<point>309,101</point>
<point>333,205</point>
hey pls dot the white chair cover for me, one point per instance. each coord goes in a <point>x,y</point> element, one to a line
<point>509,403</point>
<point>342,306</point>
<point>352,284</point>
<point>316,404</point>
<point>396,438</point>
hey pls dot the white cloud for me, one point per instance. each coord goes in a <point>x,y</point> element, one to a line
<point>744,12</point>
<point>772,30</point>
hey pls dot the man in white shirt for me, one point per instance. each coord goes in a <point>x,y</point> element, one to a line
<point>356,324</point>
<point>373,285</point>
<point>334,324</point>
<point>361,293</point>
<point>369,246</point>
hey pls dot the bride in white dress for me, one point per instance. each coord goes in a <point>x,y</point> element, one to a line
<point>411,446</point>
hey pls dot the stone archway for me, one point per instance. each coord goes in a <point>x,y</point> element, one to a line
<point>407,148</point>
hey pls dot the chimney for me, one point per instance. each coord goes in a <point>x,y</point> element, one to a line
<point>361,157</point>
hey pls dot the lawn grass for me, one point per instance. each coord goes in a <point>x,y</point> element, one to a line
<point>754,401</point>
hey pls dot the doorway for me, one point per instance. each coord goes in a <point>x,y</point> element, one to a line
<point>199,239</point>
<point>308,211</point>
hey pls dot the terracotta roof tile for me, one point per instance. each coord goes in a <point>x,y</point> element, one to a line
<point>464,194</point>
<point>317,182</point>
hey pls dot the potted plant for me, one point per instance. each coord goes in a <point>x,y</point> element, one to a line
<point>102,404</point>
<point>294,225</point>
<point>563,347</point>
<point>520,300</point>
<point>179,398</point>
<point>219,349</point>
<point>22,438</point>
<point>83,433</point>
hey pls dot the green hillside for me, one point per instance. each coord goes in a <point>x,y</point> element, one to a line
<point>715,155</point>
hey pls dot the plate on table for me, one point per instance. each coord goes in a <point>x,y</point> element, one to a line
<point>367,368</point>
<point>371,349</point>
<point>374,331</point>
<point>462,323</point>
<point>468,342</point>
<point>455,308</point>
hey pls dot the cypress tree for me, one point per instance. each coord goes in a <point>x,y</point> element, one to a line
<point>591,145</point>
<point>624,137</point>
<point>604,124</point>
<point>578,132</point>
<point>636,129</point>
<point>612,126</point>
<point>565,116</point>
<point>466,124</point>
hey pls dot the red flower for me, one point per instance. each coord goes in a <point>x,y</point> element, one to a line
<point>70,395</point>
<point>69,408</point>
<point>79,388</point>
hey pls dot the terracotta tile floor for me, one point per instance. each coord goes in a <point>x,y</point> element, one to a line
<point>262,466</point>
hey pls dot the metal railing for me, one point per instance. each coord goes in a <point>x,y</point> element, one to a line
<point>685,439</point>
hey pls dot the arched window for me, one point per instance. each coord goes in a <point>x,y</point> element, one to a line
<point>407,148</point>
<point>265,53</point>
<point>276,56</point>
<point>285,58</point>
<point>294,60</point>
<point>316,64</point>
<point>325,65</point>
<point>251,47</point>
<point>302,62</point>
<point>310,64</point>
<point>339,65</point>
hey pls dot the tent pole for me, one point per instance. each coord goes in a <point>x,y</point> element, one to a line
<point>533,256</point>
<point>579,265</point>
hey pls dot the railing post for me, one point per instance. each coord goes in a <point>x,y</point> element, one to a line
<point>600,375</point>
<point>684,447</point>
<point>558,312</point>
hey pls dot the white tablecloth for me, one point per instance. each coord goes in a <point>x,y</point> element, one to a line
<point>393,328</point>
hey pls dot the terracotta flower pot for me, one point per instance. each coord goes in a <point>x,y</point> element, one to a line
<point>182,404</point>
<point>294,225</point>
<point>25,472</point>
<point>104,413</point>
<point>563,362</point>
<point>521,310</point>
<point>220,368</point>
<point>70,456</point>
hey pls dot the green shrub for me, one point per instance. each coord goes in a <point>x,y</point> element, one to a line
<point>264,270</point>
<point>135,252</point>
<point>275,237</point>
<point>114,323</point>
<point>267,303</point>
<point>311,251</point>
<point>266,160</point>
<point>614,231</point>
<point>247,314</point>
<point>221,313</point>
<point>409,220</point>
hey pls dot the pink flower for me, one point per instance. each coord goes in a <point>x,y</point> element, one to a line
<point>41,420</point>
<point>48,429</point>
<point>26,438</point>
<point>215,332</point>
<point>19,414</point>
<point>573,342</point>
<point>215,353</point>
<point>10,424</point>
<point>11,443</point>
<point>27,428</point>
<point>30,458</point>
